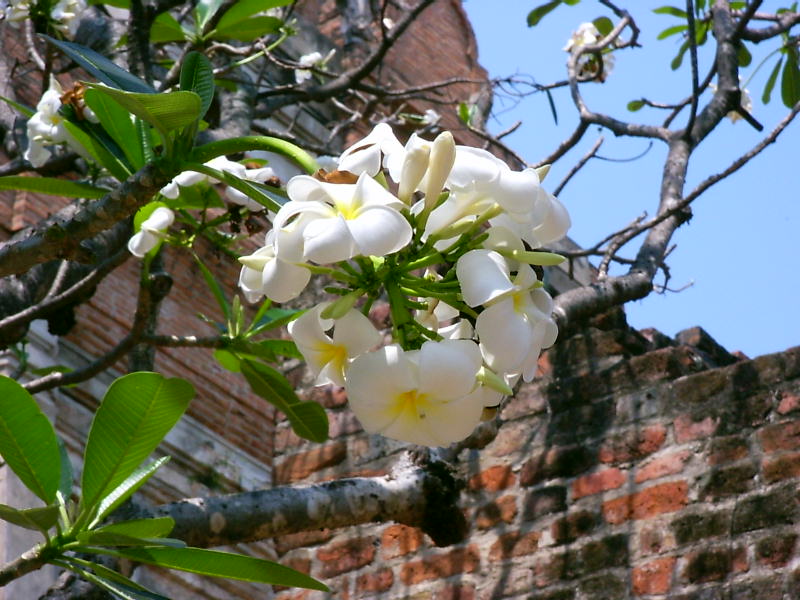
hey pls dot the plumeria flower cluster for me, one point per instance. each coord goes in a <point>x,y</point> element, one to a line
<point>448,235</point>
<point>47,127</point>
<point>63,15</point>
<point>590,66</point>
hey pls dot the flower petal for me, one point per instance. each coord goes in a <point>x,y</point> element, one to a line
<point>447,369</point>
<point>379,230</point>
<point>483,276</point>
<point>505,335</point>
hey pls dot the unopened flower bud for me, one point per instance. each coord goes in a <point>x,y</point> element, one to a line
<point>413,170</point>
<point>443,156</point>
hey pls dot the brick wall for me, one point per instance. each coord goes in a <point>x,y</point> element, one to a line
<point>634,467</point>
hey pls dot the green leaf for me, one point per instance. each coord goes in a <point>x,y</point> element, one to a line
<point>790,79</point>
<point>272,318</point>
<point>215,288</point>
<point>773,77</point>
<point>743,55</point>
<point>670,10</point>
<point>205,10</point>
<point>228,360</point>
<point>165,112</point>
<point>249,29</point>
<point>143,132</point>
<point>102,538</point>
<point>52,186</point>
<point>118,124</point>
<point>126,489</point>
<point>538,13</point>
<point>270,197</point>
<point>198,197</point>
<point>465,112</point>
<point>65,481</point>
<point>247,8</point>
<point>136,413</point>
<point>28,441</point>
<point>266,350</point>
<point>102,68</point>
<point>197,76</point>
<point>37,519</point>
<point>672,31</point>
<point>678,60</point>
<point>220,564</point>
<point>635,105</point>
<point>604,25</point>
<point>97,150</point>
<point>151,528</point>
<point>166,28</point>
<point>552,104</point>
<point>26,111</point>
<point>111,581</point>
<point>308,419</point>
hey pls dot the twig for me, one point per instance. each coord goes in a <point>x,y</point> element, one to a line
<point>565,146</point>
<point>579,165</point>
<point>693,60</point>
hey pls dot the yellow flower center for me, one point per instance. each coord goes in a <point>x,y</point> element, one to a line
<point>411,404</point>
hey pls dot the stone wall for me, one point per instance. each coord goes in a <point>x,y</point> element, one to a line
<point>635,466</point>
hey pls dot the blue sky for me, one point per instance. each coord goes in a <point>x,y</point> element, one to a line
<point>740,249</point>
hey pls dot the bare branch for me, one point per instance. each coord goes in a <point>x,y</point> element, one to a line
<point>565,146</point>
<point>579,165</point>
<point>60,236</point>
<point>783,22</point>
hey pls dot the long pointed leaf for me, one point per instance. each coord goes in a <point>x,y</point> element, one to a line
<point>165,112</point>
<point>65,481</point>
<point>151,528</point>
<point>215,288</point>
<point>37,519</point>
<point>118,123</point>
<point>52,186</point>
<point>98,152</point>
<point>220,564</point>
<point>136,413</point>
<point>773,77</point>
<point>308,419</point>
<point>126,489</point>
<point>102,68</point>
<point>25,111</point>
<point>790,79</point>
<point>103,538</point>
<point>28,441</point>
<point>117,584</point>
<point>197,76</point>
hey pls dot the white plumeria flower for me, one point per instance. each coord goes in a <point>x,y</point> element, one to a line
<point>66,13</point>
<point>345,220</point>
<point>585,35</point>
<point>151,231</point>
<point>328,356</point>
<point>46,126</point>
<point>426,396</point>
<point>260,175</point>
<point>276,270</point>
<point>431,117</point>
<point>552,224</point>
<point>372,152</point>
<point>189,178</point>
<point>312,59</point>
<point>516,321</point>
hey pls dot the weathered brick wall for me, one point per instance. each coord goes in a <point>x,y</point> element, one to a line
<point>634,466</point>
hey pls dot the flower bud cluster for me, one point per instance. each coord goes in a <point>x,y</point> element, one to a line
<point>448,239</point>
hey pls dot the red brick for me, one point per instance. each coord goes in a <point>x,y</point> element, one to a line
<point>341,557</point>
<point>299,466</point>
<point>493,479</point>
<point>654,577</point>
<point>633,444</point>
<point>782,436</point>
<point>440,566</point>
<point>291,541</point>
<point>490,514</point>
<point>727,449</point>
<point>376,581</point>
<point>399,540</point>
<point>661,466</point>
<point>652,501</point>
<point>457,592</point>
<point>785,466</point>
<point>776,551</point>
<point>789,403</point>
<point>687,429</point>
<point>513,544</point>
<point>600,481</point>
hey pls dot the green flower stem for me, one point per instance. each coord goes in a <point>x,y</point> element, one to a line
<point>284,35</point>
<point>206,152</point>
<point>425,261</point>
<point>332,273</point>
